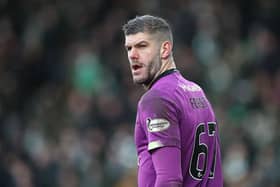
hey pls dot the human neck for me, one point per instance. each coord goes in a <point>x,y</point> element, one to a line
<point>166,65</point>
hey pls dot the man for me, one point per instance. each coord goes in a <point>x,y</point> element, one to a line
<point>176,131</point>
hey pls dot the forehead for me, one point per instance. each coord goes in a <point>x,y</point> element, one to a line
<point>133,39</point>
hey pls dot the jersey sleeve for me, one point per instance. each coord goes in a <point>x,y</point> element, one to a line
<point>159,119</point>
<point>167,164</point>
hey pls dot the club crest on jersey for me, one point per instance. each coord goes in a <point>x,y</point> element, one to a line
<point>157,125</point>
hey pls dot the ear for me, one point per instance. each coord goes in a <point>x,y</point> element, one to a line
<point>166,48</point>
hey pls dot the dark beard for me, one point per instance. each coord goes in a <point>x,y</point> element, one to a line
<point>155,62</point>
<point>148,81</point>
<point>151,77</point>
<point>145,82</point>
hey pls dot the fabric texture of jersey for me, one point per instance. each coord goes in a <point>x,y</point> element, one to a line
<point>176,112</point>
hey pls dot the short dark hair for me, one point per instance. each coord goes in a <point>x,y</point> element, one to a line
<point>149,24</point>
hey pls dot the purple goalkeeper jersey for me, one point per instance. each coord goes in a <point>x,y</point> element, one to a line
<point>176,112</point>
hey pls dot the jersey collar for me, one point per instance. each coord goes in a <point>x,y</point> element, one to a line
<point>163,74</point>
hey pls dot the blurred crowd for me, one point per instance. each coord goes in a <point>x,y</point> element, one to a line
<point>68,104</point>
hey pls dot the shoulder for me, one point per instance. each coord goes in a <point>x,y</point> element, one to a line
<point>163,89</point>
<point>155,95</point>
<point>157,101</point>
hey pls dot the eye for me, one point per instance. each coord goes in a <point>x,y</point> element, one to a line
<point>128,48</point>
<point>142,45</point>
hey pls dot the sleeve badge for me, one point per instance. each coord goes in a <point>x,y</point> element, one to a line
<point>157,124</point>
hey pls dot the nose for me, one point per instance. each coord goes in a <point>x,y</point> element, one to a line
<point>133,54</point>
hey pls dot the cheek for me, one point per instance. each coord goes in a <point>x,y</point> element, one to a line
<point>155,60</point>
<point>151,57</point>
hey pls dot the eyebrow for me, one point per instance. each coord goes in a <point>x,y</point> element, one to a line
<point>138,43</point>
